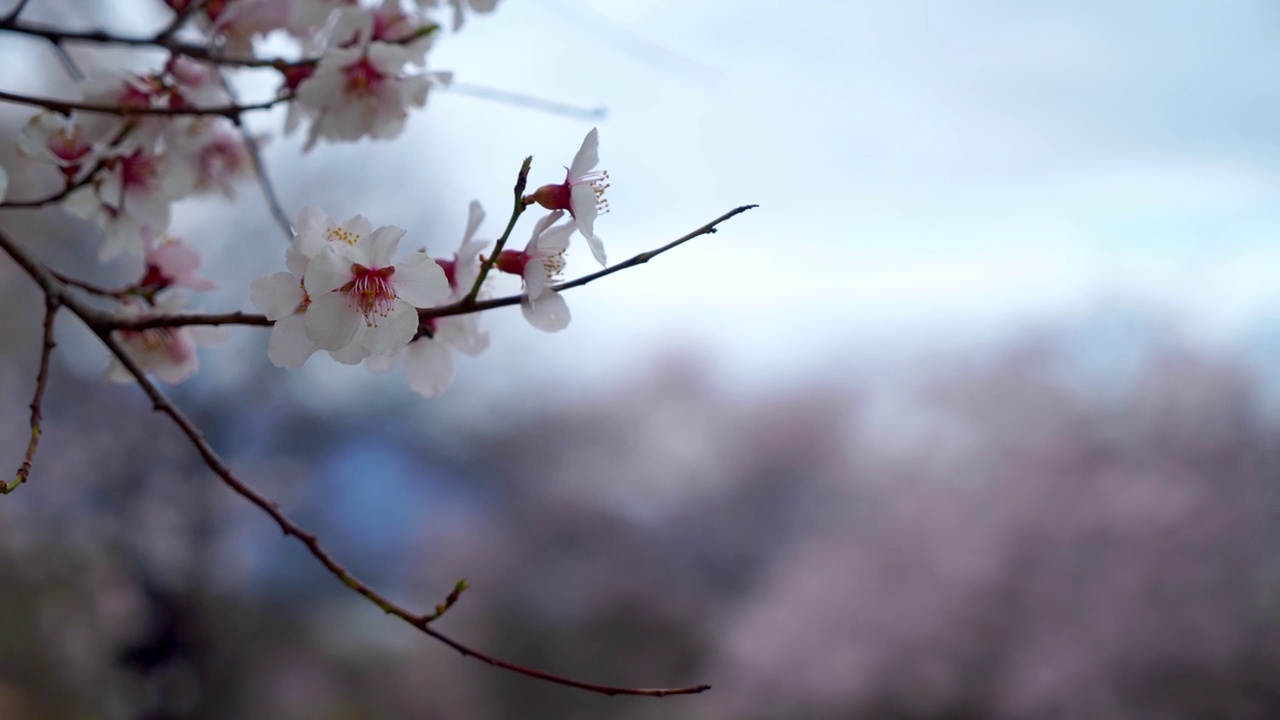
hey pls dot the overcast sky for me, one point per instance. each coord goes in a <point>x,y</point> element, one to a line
<point>925,169</point>
<point>930,172</point>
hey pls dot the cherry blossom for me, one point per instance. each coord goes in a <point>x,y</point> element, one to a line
<point>542,260</point>
<point>134,192</point>
<point>386,23</point>
<point>283,298</point>
<point>363,289</point>
<point>237,23</point>
<point>428,359</point>
<point>168,353</point>
<point>217,157</point>
<point>170,263</point>
<point>539,265</point>
<point>581,193</point>
<point>363,90</point>
<point>58,140</point>
<point>314,231</point>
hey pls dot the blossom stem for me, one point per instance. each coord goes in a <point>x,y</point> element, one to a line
<point>522,180</point>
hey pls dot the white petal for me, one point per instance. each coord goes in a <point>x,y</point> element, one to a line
<point>541,227</point>
<point>549,313</point>
<point>588,155</point>
<point>462,333</point>
<point>327,271</point>
<point>309,232</point>
<point>556,239</point>
<point>276,295</point>
<point>393,331</point>
<point>419,281</point>
<point>597,248</point>
<point>297,259</point>
<point>381,363</point>
<point>474,218</point>
<point>353,353</point>
<point>332,322</point>
<point>535,278</point>
<point>289,347</point>
<point>428,367</point>
<point>583,200</point>
<point>378,248</point>
<point>4,183</point>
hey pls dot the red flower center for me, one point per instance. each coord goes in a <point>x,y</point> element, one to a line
<point>371,291</point>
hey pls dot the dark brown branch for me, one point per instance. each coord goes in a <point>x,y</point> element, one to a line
<point>463,307</point>
<point>458,308</point>
<point>160,403</point>
<point>231,112</point>
<point>58,36</point>
<point>12,17</point>
<point>51,305</point>
<point>90,287</point>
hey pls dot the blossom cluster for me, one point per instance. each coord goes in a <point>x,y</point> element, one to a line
<point>359,69</point>
<point>345,292</point>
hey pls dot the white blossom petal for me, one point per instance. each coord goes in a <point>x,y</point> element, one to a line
<point>588,155</point>
<point>327,271</point>
<point>353,353</point>
<point>597,248</point>
<point>428,367</point>
<point>380,363</point>
<point>556,239</point>
<point>289,347</point>
<point>420,281</point>
<point>583,199</point>
<point>376,251</point>
<point>535,278</point>
<point>550,313</point>
<point>475,216</point>
<point>394,331</point>
<point>463,333</point>
<point>331,321</point>
<point>276,295</point>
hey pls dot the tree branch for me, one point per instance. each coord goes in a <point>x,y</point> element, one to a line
<point>231,112</point>
<point>51,305</point>
<point>160,403</point>
<point>459,308</point>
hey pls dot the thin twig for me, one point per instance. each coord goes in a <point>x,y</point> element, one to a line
<point>102,37</point>
<point>260,167</point>
<point>90,287</point>
<point>462,307</point>
<point>68,62</point>
<point>522,180</point>
<point>64,107</point>
<point>458,308</point>
<point>12,17</point>
<point>51,305</point>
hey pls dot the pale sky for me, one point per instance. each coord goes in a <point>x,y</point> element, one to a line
<point>929,172</point>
